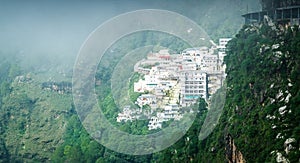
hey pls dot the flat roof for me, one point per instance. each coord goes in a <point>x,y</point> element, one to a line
<point>288,7</point>
<point>266,11</point>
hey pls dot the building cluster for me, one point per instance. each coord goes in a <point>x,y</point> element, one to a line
<point>59,87</point>
<point>171,82</point>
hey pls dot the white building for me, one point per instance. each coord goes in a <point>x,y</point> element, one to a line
<point>146,99</point>
<point>223,42</point>
<point>222,47</point>
<point>209,63</point>
<point>189,65</point>
<point>196,52</point>
<point>174,81</point>
<point>154,123</point>
<point>204,58</point>
<point>126,115</point>
<point>170,111</point>
<point>157,78</point>
<point>150,82</point>
<point>193,86</point>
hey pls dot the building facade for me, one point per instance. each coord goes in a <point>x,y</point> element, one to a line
<point>286,12</point>
<point>193,86</point>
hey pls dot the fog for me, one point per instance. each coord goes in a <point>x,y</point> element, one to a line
<point>42,32</point>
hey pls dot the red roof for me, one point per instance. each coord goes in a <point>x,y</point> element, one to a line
<point>165,56</point>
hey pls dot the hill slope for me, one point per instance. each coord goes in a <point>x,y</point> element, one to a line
<point>260,122</point>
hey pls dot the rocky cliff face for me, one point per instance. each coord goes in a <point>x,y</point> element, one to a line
<point>261,114</point>
<point>232,154</point>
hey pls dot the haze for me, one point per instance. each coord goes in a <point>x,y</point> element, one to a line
<point>43,32</point>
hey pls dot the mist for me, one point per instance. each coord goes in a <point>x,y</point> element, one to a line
<point>50,33</point>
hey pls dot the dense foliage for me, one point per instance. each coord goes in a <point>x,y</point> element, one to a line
<point>80,147</point>
<point>263,81</point>
<point>24,123</point>
<point>262,104</point>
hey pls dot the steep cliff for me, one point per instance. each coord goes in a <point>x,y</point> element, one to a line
<point>232,154</point>
<point>262,112</point>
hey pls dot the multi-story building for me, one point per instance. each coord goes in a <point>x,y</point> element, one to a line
<point>222,47</point>
<point>170,111</point>
<point>193,86</point>
<point>222,53</point>
<point>209,63</point>
<point>204,58</point>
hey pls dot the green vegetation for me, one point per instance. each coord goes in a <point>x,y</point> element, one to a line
<point>261,63</point>
<point>25,124</point>
<point>135,78</point>
<point>79,143</point>
<point>256,59</point>
<point>263,76</point>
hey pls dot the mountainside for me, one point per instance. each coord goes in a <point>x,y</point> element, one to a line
<point>260,117</point>
<point>29,132</point>
<point>260,122</point>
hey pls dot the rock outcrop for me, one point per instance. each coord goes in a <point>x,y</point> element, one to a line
<point>232,154</point>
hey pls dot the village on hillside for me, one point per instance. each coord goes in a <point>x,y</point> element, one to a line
<point>172,81</point>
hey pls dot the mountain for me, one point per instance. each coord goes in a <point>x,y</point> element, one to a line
<point>260,121</point>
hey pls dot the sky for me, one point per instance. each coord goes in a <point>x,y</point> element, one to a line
<point>40,28</point>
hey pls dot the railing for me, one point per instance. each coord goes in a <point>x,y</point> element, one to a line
<point>287,14</point>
